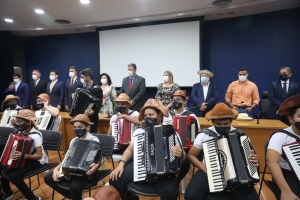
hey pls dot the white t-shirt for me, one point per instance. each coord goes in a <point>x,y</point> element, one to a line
<point>277,141</point>
<point>56,120</point>
<point>38,142</point>
<point>115,117</point>
<point>87,137</point>
<point>169,119</point>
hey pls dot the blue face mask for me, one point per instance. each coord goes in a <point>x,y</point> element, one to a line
<point>204,79</point>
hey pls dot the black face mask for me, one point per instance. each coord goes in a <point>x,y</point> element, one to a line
<point>223,130</point>
<point>121,109</point>
<point>297,125</point>
<point>40,105</point>
<point>283,77</point>
<point>150,121</point>
<point>80,132</point>
<point>21,127</point>
<point>177,104</point>
<point>12,106</point>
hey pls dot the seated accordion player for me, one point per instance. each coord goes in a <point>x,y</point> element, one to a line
<point>7,116</point>
<point>152,153</point>
<point>81,154</point>
<point>227,162</point>
<point>187,128</point>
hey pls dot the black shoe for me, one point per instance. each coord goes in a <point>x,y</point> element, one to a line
<point>7,196</point>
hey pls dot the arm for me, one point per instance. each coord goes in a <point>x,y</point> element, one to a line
<point>142,89</point>
<point>38,155</point>
<point>133,120</point>
<point>53,111</point>
<point>272,98</point>
<point>109,132</point>
<point>228,95</point>
<point>10,90</point>
<point>192,156</point>
<point>215,96</point>
<point>255,97</point>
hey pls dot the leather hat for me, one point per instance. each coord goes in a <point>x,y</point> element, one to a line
<point>44,97</point>
<point>289,104</point>
<point>106,192</point>
<point>28,115</point>
<point>155,104</point>
<point>81,118</point>
<point>8,98</point>
<point>179,93</point>
<point>221,111</point>
<point>123,97</point>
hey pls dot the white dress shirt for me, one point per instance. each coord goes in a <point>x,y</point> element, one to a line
<point>287,85</point>
<point>205,90</point>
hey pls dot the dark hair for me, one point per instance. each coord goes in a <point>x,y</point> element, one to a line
<point>294,110</point>
<point>56,72</point>
<point>243,69</point>
<point>16,74</point>
<point>132,65</point>
<point>38,71</point>
<point>87,72</point>
<point>73,67</point>
<point>108,78</point>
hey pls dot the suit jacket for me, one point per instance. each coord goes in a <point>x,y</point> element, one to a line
<point>22,92</point>
<point>276,96</point>
<point>57,94</point>
<point>40,88</point>
<point>137,91</point>
<point>197,98</point>
<point>70,90</point>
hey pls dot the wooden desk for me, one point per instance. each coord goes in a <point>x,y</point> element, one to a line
<point>259,134</point>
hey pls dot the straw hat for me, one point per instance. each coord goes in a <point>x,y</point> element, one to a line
<point>243,117</point>
<point>289,104</point>
<point>81,118</point>
<point>205,71</point>
<point>180,93</point>
<point>123,97</point>
<point>221,111</point>
<point>28,115</point>
<point>44,97</point>
<point>8,98</point>
<point>155,104</point>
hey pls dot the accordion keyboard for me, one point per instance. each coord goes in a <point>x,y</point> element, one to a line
<point>139,169</point>
<point>247,151</point>
<point>292,152</point>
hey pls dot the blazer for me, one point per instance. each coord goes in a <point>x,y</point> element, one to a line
<point>58,93</point>
<point>70,90</point>
<point>197,98</point>
<point>276,96</point>
<point>137,91</point>
<point>22,92</point>
<point>35,91</point>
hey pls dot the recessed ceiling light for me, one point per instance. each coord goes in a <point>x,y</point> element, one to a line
<point>39,28</point>
<point>136,19</point>
<point>85,1</point>
<point>179,14</point>
<point>39,11</point>
<point>9,20</point>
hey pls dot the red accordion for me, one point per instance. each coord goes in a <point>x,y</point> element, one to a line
<point>15,143</point>
<point>187,128</point>
<point>122,131</point>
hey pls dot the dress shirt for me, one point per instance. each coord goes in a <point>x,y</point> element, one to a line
<point>205,90</point>
<point>287,85</point>
<point>17,85</point>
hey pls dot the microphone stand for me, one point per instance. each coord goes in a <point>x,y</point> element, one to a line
<point>258,115</point>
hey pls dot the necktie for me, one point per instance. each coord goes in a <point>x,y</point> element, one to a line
<point>72,82</point>
<point>284,90</point>
<point>51,86</point>
<point>130,84</point>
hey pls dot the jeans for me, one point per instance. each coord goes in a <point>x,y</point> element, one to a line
<point>243,110</point>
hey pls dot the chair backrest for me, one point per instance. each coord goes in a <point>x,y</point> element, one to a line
<point>107,143</point>
<point>4,134</point>
<point>51,139</point>
<point>264,104</point>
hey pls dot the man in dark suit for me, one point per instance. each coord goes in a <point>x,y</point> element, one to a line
<point>20,89</point>
<point>135,87</point>
<point>204,94</point>
<point>56,90</point>
<point>71,85</point>
<point>279,91</point>
<point>37,87</point>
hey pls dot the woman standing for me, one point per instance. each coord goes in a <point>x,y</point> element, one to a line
<point>166,89</point>
<point>109,94</point>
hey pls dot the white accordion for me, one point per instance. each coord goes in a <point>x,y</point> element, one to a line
<point>45,120</point>
<point>7,116</point>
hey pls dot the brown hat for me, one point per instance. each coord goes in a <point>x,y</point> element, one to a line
<point>81,118</point>
<point>106,192</point>
<point>155,104</point>
<point>179,93</point>
<point>44,97</point>
<point>123,97</point>
<point>8,98</point>
<point>221,111</point>
<point>289,104</point>
<point>205,71</point>
<point>28,115</point>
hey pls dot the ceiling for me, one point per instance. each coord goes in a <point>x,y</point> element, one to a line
<point>98,13</point>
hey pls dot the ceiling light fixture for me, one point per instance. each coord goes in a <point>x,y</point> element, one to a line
<point>39,11</point>
<point>9,20</point>
<point>85,1</point>
<point>179,14</point>
<point>136,19</point>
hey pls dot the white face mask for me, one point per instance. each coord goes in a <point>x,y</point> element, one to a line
<point>52,77</point>
<point>103,80</point>
<point>16,80</point>
<point>82,81</point>
<point>130,73</point>
<point>71,74</point>
<point>34,77</point>
<point>242,78</point>
<point>166,78</point>
<point>204,79</point>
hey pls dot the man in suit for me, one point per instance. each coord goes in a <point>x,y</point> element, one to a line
<point>37,87</point>
<point>135,87</point>
<point>71,85</point>
<point>279,91</point>
<point>20,89</point>
<point>56,90</point>
<point>205,94</point>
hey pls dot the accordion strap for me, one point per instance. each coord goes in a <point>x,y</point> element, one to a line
<point>33,152</point>
<point>209,132</point>
<point>286,132</point>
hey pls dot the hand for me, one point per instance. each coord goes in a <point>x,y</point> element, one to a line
<point>288,196</point>
<point>117,172</point>
<point>132,103</point>
<point>89,112</point>
<point>11,86</point>
<point>276,112</point>
<point>89,198</point>
<point>59,107</point>
<point>24,107</point>
<point>124,116</point>
<point>55,175</point>
<point>94,167</point>
<point>234,107</point>
<point>177,151</point>
<point>203,107</point>
<point>46,104</point>
<point>254,158</point>
<point>249,109</point>
<point>73,95</point>
<point>67,108</point>
<point>17,155</point>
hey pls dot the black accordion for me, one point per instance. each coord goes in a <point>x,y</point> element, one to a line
<point>227,162</point>
<point>152,153</point>
<point>83,99</point>
<point>81,154</point>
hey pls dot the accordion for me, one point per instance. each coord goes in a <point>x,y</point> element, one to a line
<point>122,132</point>
<point>15,143</point>
<point>45,120</point>
<point>227,162</point>
<point>187,128</point>
<point>83,100</point>
<point>291,153</point>
<point>8,115</point>
<point>81,154</point>
<point>152,153</point>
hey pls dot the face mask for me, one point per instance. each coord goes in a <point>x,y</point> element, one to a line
<point>223,130</point>
<point>21,127</point>
<point>121,109</point>
<point>103,81</point>
<point>16,80</point>
<point>243,78</point>
<point>80,132</point>
<point>71,74</point>
<point>52,77</point>
<point>165,78</point>
<point>283,77</point>
<point>12,106</point>
<point>130,73</point>
<point>150,121</point>
<point>82,81</point>
<point>34,77</point>
<point>204,79</point>
<point>297,125</point>
<point>40,105</point>
<point>176,104</point>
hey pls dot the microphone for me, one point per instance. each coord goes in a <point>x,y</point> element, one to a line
<point>258,115</point>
